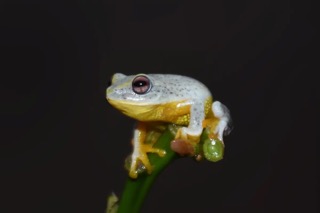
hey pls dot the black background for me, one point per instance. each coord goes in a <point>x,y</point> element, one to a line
<point>63,147</point>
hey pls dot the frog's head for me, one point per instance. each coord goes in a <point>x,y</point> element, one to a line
<point>132,94</point>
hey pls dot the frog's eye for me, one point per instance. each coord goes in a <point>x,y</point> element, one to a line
<point>141,84</point>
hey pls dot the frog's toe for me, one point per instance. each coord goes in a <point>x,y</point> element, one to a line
<point>140,161</point>
<point>133,173</point>
<point>146,164</point>
<point>139,164</point>
<point>150,149</point>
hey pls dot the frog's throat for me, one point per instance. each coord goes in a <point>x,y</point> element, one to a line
<point>174,112</point>
<point>177,112</point>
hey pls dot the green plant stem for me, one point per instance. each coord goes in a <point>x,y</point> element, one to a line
<point>135,190</point>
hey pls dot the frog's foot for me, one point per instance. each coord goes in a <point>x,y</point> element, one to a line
<point>140,156</point>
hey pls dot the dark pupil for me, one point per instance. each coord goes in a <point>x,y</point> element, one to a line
<point>140,83</point>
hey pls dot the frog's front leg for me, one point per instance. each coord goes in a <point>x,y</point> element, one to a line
<point>140,150</point>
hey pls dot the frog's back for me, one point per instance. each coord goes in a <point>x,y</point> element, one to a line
<point>180,87</point>
<point>177,95</point>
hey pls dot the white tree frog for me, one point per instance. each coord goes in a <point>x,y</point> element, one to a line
<point>166,98</point>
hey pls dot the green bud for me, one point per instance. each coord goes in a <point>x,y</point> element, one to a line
<point>213,149</point>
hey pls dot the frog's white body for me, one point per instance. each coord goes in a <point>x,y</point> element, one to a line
<point>167,98</point>
<point>165,88</point>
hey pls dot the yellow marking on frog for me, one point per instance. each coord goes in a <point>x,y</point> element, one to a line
<point>167,112</point>
<point>208,107</point>
<point>177,112</point>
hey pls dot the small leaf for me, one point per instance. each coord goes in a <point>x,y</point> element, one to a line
<point>112,204</point>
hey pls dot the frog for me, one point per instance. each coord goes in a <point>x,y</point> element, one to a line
<point>166,98</point>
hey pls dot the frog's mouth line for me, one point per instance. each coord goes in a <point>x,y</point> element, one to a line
<point>115,102</point>
<point>133,104</point>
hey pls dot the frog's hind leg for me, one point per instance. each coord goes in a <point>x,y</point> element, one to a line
<point>187,138</point>
<point>222,113</point>
<point>193,132</point>
<point>220,123</point>
<point>140,150</point>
